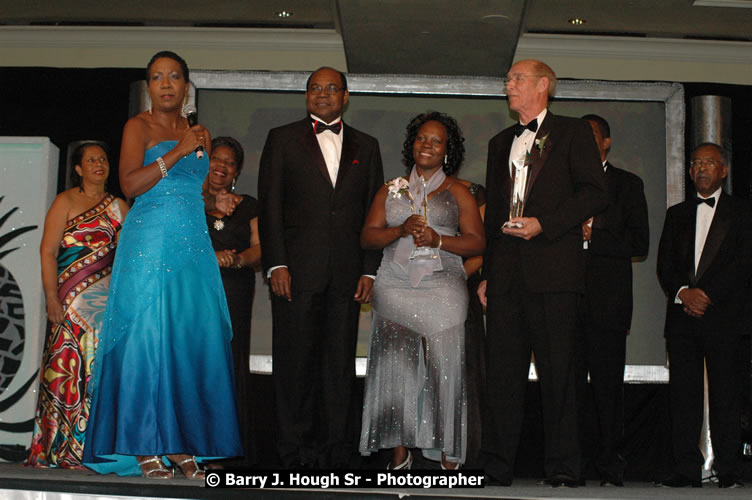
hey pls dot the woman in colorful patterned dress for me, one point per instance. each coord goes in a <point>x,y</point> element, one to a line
<point>77,250</point>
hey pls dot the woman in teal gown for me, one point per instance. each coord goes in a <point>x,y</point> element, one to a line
<point>163,388</point>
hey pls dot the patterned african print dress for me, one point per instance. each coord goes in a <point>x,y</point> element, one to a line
<point>84,264</point>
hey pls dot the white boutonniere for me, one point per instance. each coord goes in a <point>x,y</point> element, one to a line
<point>540,144</point>
<point>398,187</point>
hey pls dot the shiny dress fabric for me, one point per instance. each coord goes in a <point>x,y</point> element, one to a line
<point>415,397</point>
<point>163,377</point>
<point>234,233</point>
<point>84,264</point>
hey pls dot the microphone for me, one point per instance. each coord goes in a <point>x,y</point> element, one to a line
<point>192,116</point>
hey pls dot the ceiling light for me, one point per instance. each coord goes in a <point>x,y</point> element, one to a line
<point>576,21</point>
<point>284,13</point>
<point>491,18</point>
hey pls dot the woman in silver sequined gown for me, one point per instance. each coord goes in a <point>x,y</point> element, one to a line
<point>415,394</point>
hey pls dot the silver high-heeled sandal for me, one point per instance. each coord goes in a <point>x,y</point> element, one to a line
<point>406,465</point>
<point>163,472</point>
<point>457,466</point>
<point>197,472</point>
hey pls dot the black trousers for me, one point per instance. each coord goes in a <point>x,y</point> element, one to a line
<point>601,353</point>
<point>314,340</point>
<point>519,324</point>
<point>723,355</point>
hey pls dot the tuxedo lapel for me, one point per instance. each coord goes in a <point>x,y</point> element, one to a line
<point>540,150</point>
<point>685,231</point>
<point>610,184</point>
<point>505,181</point>
<point>349,155</point>
<point>718,228</point>
<point>312,151</point>
<point>611,187</point>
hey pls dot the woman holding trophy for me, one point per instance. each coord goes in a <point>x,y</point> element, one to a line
<point>415,394</point>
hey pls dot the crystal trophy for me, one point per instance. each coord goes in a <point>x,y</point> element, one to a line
<point>521,171</point>
<point>422,253</point>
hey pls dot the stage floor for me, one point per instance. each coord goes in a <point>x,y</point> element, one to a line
<point>18,482</point>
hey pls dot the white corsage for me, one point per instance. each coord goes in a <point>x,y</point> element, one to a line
<point>540,144</point>
<point>398,186</point>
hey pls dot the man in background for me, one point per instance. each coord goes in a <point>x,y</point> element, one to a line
<point>611,240</point>
<point>704,267</point>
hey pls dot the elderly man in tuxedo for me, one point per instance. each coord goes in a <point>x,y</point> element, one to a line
<point>317,178</point>
<point>610,239</point>
<point>704,267</point>
<point>534,272</point>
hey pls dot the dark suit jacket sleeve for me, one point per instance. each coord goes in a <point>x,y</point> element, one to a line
<point>671,259</point>
<point>586,172</point>
<point>622,231</point>
<point>494,207</point>
<point>372,258</point>
<point>271,199</point>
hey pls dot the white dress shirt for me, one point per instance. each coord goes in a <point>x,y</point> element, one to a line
<point>521,145</point>
<point>331,147</point>
<point>703,220</point>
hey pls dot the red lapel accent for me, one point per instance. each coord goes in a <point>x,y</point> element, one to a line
<point>348,156</point>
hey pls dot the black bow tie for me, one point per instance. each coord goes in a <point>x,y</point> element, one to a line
<point>710,201</point>
<point>319,126</point>
<point>519,128</point>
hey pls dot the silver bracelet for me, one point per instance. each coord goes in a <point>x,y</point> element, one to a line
<point>162,166</point>
<point>439,247</point>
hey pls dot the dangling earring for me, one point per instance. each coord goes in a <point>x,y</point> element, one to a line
<point>149,107</point>
<point>232,189</point>
<point>445,160</point>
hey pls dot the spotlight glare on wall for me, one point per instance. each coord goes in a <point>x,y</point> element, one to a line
<point>284,13</point>
<point>576,21</point>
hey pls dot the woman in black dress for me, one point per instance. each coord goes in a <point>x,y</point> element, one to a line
<point>475,336</point>
<point>236,242</point>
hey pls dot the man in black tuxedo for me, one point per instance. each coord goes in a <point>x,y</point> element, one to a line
<point>534,273</point>
<point>611,239</point>
<point>317,178</point>
<point>704,267</point>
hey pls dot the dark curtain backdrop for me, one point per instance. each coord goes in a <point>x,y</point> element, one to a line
<point>68,105</point>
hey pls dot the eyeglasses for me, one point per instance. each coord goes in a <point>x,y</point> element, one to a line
<point>705,162</point>
<point>330,89</point>
<point>517,77</point>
